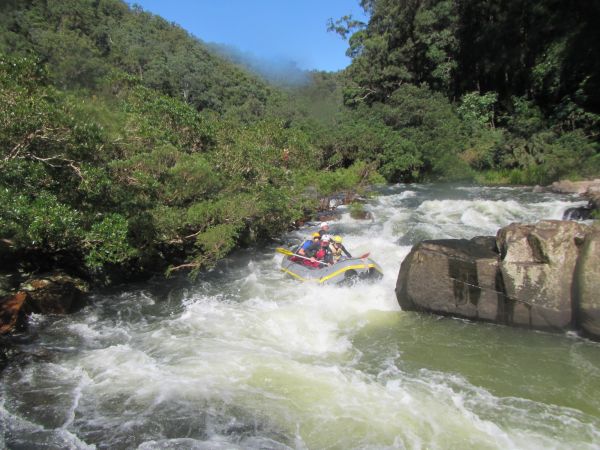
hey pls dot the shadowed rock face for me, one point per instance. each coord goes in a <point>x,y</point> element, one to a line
<point>589,189</point>
<point>588,284</point>
<point>52,294</point>
<point>538,265</point>
<point>453,277</point>
<point>578,213</point>
<point>543,276</point>
<point>11,312</point>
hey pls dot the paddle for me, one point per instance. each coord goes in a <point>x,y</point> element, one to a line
<point>289,253</point>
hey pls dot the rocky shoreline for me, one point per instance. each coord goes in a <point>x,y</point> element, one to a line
<point>589,190</point>
<point>474,276</point>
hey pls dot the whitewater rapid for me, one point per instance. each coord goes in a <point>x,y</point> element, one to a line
<point>247,359</point>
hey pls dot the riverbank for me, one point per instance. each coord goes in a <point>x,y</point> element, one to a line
<point>246,358</point>
<point>24,290</point>
<point>326,208</point>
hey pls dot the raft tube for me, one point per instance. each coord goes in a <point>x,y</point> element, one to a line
<point>344,271</point>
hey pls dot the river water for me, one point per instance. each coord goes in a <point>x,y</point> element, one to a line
<point>246,359</point>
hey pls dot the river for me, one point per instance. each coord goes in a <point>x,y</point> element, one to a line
<point>247,359</point>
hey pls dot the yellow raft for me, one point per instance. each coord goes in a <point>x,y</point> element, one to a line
<point>347,270</point>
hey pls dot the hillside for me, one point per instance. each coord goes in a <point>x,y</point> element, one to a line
<point>128,146</point>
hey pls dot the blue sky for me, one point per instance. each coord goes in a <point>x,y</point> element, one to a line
<point>270,30</point>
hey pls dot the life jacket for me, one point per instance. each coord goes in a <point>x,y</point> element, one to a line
<point>336,252</point>
<point>309,263</point>
<point>301,246</point>
<point>321,253</point>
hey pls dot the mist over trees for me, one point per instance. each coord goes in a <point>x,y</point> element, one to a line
<point>128,145</point>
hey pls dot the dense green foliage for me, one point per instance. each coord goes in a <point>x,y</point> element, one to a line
<point>129,174</point>
<point>127,144</point>
<point>478,86</point>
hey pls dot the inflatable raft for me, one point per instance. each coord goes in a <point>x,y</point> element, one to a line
<point>344,271</point>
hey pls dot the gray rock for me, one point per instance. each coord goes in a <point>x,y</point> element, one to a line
<point>453,277</point>
<point>576,187</point>
<point>542,276</point>
<point>588,284</point>
<point>538,265</point>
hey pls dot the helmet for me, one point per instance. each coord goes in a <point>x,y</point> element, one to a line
<point>324,224</point>
<point>337,239</point>
<point>326,238</point>
<point>314,235</point>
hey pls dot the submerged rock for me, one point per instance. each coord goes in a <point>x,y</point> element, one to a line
<point>543,276</point>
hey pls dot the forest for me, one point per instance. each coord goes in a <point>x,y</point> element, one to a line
<point>130,147</point>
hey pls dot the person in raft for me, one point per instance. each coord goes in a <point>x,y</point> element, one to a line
<point>310,246</point>
<point>322,256</point>
<point>323,229</point>
<point>337,248</point>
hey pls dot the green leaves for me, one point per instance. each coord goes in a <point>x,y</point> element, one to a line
<point>107,243</point>
<point>41,222</point>
<point>477,110</point>
<point>136,141</point>
<point>216,242</point>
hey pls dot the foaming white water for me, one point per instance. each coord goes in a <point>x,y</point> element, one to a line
<point>248,359</point>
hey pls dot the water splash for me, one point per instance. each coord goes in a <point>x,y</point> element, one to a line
<point>248,359</point>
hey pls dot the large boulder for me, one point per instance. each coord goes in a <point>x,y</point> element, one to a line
<point>588,284</point>
<point>54,293</point>
<point>537,263</point>
<point>543,276</point>
<point>452,277</point>
<point>576,187</point>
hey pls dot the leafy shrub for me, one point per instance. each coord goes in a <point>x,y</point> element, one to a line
<point>107,242</point>
<point>41,222</point>
<point>357,210</point>
<point>477,110</point>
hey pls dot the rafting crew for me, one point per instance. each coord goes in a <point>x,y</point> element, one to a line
<point>322,249</point>
<point>323,256</point>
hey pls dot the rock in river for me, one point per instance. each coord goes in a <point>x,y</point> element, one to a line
<point>543,276</point>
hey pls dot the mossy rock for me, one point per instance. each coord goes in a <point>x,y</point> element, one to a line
<point>358,212</point>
